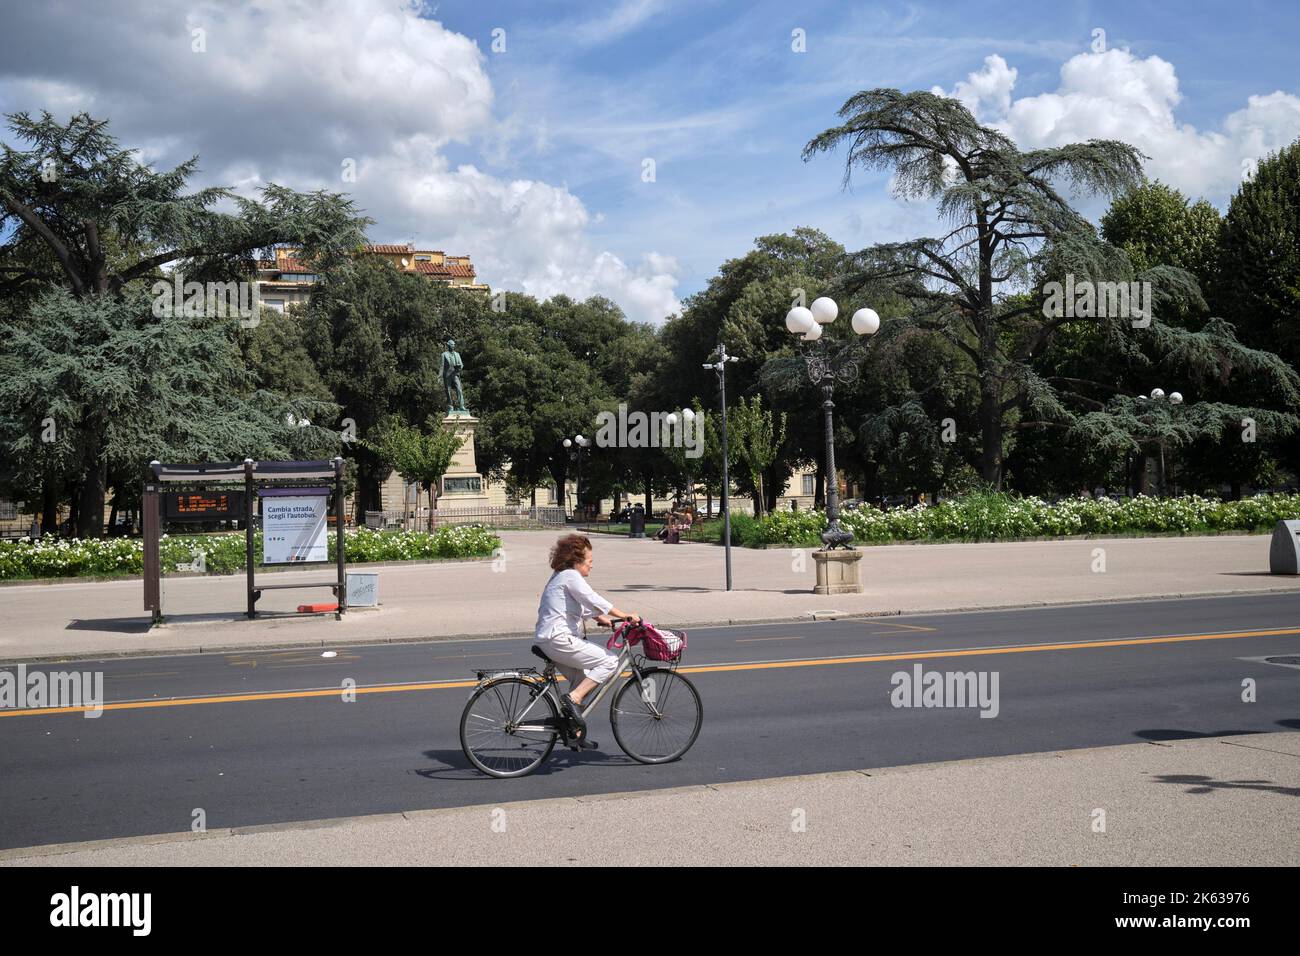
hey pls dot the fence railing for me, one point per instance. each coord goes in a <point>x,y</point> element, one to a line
<point>496,515</point>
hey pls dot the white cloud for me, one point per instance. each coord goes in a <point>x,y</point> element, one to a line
<point>1117,95</point>
<point>286,90</point>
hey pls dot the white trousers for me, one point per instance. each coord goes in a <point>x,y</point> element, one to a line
<point>576,658</point>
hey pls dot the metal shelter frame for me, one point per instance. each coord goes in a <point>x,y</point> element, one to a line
<point>255,475</point>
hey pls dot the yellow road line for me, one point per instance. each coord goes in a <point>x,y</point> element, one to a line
<point>702,669</point>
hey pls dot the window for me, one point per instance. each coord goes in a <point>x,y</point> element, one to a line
<point>809,484</point>
<point>277,304</point>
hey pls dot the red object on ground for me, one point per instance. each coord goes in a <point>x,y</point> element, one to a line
<point>317,608</point>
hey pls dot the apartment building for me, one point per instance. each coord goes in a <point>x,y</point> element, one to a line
<point>286,281</point>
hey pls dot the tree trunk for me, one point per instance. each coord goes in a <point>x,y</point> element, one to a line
<point>1235,486</point>
<point>990,419</point>
<point>90,511</point>
<point>49,507</point>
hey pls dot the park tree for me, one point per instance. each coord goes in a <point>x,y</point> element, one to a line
<point>1157,225</point>
<point>81,214</point>
<point>1257,277</point>
<point>376,336</point>
<point>754,435</point>
<point>104,371</point>
<point>420,456</point>
<point>1009,224</point>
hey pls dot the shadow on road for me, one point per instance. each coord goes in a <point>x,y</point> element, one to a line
<point>456,767</point>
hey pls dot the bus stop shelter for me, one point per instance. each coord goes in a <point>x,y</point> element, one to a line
<point>287,500</point>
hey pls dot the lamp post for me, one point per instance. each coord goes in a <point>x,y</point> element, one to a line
<point>687,418</point>
<point>825,367</point>
<point>1158,396</point>
<point>576,447</point>
<point>720,366</point>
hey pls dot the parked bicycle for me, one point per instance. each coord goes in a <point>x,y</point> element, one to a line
<point>514,718</point>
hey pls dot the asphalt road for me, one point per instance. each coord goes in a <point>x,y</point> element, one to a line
<point>140,770</point>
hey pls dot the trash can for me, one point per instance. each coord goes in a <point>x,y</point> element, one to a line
<point>363,588</point>
<point>637,523</point>
<point>1284,552</point>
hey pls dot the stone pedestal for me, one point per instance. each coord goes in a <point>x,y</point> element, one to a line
<point>462,485</point>
<point>837,572</point>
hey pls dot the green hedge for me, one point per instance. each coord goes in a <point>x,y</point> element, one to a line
<point>224,553</point>
<point>999,517</point>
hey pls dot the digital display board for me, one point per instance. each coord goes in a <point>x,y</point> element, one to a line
<point>203,505</point>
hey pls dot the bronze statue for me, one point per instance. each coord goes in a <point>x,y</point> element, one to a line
<point>451,366</point>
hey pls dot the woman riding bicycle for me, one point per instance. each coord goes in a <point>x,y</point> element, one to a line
<point>566,600</point>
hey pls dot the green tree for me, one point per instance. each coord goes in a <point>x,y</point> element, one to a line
<point>377,336</point>
<point>1157,225</point>
<point>754,435</point>
<point>1010,224</point>
<point>104,370</point>
<point>79,212</point>
<point>420,456</point>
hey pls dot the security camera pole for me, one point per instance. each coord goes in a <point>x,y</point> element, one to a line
<point>720,366</point>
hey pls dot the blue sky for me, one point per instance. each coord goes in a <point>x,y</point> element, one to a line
<point>714,92</point>
<point>530,159</point>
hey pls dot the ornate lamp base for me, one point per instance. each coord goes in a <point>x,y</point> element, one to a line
<point>836,537</point>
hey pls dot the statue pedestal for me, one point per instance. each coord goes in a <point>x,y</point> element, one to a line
<point>462,486</point>
<point>837,572</point>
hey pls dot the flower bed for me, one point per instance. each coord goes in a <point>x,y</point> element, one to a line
<point>224,553</point>
<point>1004,517</point>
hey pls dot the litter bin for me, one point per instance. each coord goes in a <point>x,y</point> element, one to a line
<point>1284,552</point>
<point>637,523</point>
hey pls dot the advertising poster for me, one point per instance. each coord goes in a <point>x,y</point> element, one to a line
<point>294,529</point>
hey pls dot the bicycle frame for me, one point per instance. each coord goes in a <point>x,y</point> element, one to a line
<point>551,685</point>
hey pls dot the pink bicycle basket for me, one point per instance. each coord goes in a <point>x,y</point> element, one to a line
<point>657,644</point>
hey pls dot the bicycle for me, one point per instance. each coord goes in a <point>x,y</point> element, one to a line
<point>512,722</point>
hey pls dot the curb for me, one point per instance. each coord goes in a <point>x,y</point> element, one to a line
<point>805,616</point>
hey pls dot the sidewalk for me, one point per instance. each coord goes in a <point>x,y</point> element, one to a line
<point>674,584</point>
<point>1223,801</point>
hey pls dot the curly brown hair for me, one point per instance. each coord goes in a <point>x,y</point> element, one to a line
<point>569,550</point>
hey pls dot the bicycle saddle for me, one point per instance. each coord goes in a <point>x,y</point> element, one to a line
<point>542,654</point>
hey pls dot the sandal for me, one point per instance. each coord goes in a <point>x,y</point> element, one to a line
<point>577,726</point>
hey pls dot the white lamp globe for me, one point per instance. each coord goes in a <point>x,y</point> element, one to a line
<point>825,310</point>
<point>813,334</point>
<point>866,322</point>
<point>799,320</point>
<point>1175,398</point>
<point>688,414</point>
<point>581,441</point>
<point>671,419</point>
<point>1157,394</point>
<point>567,443</point>
<point>1142,398</point>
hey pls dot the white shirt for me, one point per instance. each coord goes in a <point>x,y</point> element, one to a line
<point>566,600</point>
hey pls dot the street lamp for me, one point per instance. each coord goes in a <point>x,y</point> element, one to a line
<point>720,366</point>
<point>576,447</point>
<point>687,418</point>
<point>1174,399</point>
<point>826,366</point>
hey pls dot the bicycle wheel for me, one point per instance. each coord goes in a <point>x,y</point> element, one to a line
<point>509,727</point>
<point>657,719</point>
